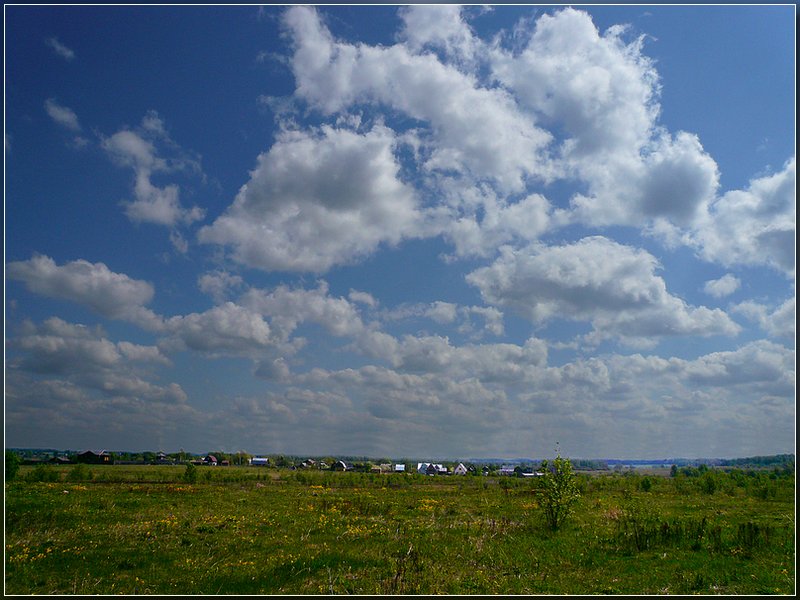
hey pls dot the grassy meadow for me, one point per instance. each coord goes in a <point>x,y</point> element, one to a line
<point>252,530</point>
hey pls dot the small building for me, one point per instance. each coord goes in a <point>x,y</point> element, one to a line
<point>210,460</point>
<point>431,468</point>
<point>94,457</point>
<point>342,465</point>
<point>398,468</point>
<point>259,461</point>
<point>460,469</point>
<point>506,470</point>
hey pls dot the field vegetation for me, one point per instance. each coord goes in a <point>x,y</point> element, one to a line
<point>131,529</point>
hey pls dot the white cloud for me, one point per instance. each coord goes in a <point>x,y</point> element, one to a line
<point>597,280</point>
<point>488,362</point>
<point>756,226</point>
<point>440,27</point>
<point>442,312</point>
<point>500,221</point>
<point>778,322</point>
<point>87,359</point>
<point>363,298</point>
<point>724,286</point>
<point>218,284</point>
<point>472,130</point>
<point>227,329</point>
<point>112,295</point>
<point>60,49</point>
<point>316,200</point>
<point>764,365</point>
<point>62,115</point>
<point>137,150</point>
<point>602,91</point>
<point>449,313</point>
<point>287,308</point>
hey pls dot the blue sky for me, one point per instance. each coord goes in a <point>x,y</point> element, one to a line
<point>407,231</point>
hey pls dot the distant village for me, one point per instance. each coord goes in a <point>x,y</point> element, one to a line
<point>503,467</point>
<point>223,459</point>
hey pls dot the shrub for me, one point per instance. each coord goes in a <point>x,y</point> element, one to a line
<point>79,473</point>
<point>43,473</point>
<point>559,491</point>
<point>707,482</point>
<point>190,474</point>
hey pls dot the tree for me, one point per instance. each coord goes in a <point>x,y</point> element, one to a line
<point>559,491</point>
<point>12,464</point>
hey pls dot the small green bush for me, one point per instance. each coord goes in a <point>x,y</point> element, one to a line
<point>79,473</point>
<point>43,473</point>
<point>190,474</point>
<point>559,491</point>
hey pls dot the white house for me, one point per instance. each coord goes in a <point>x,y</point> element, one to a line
<point>399,468</point>
<point>460,469</point>
<point>259,462</point>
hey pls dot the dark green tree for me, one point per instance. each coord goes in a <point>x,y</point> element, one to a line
<point>12,465</point>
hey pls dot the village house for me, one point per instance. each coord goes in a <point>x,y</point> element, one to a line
<point>460,469</point>
<point>258,461</point>
<point>94,457</point>
<point>427,468</point>
<point>342,465</point>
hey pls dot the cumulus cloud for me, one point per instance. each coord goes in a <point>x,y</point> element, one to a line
<point>288,307</point>
<point>84,357</point>
<point>137,150</point>
<point>94,285</point>
<point>317,199</point>
<point>508,363</point>
<point>778,322</point>
<point>228,329</point>
<point>602,91</point>
<point>439,27</point>
<point>482,222</point>
<point>724,286</point>
<point>219,284</point>
<point>756,226</point>
<point>611,285</point>
<point>473,130</point>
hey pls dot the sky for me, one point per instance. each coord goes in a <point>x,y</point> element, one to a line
<point>423,231</point>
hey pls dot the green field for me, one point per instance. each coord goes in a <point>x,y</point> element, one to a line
<point>253,530</point>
